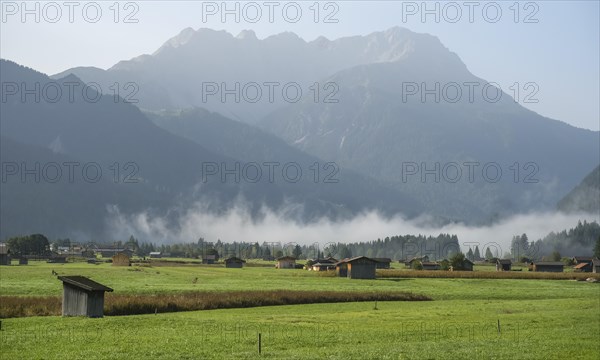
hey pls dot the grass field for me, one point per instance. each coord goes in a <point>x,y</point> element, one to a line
<point>539,319</point>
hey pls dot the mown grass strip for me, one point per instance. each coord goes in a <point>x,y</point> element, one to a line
<point>19,306</point>
<point>484,275</point>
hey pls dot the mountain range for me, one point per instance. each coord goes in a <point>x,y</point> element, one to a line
<point>367,119</point>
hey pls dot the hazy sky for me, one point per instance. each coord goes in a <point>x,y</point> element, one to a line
<point>553,44</point>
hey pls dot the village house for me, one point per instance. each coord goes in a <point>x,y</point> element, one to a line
<point>383,263</point>
<point>360,267</point>
<point>503,265</point>
<point>4,257</point>
<point>547,266</point>
<point>411,263</point>
<point>234,262</point>
<point>121,259</point>
<point>583,267</point>
<point>286,262</point>
<point>82,296</point>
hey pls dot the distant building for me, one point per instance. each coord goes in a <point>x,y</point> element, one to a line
<point>503,265</point>
<point>360,267</point>
<point>121,259</point>
<point>82,296</point>
<point>596,266</point>
<point>467,265</point>
<point>286,262</point>
<point>583,267</point>
<point>209,259</point>
<point>57,259</point>
<point>318,266</point>
<point>4,258</point>
<point>383,263</point>
<point>411,263</point>
<point>234,262</point>
<point>431,266</point>
<point>110,252</point>
<point>155,255</point>
<point>548,266</point>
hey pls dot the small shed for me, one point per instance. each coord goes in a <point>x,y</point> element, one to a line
<point>383,263</point>
<point>23,261</point>
<point>121,259</point>
<point>82,296</point>
<point>411,263</point>
<point>467,265</point>
<point>4,258</point>
<point>503,265</point>
<point>155,255</point>
<point>209,259</point>
<point>360,267</point>
<point>548,266</point>
<point>596,266</point>
<point>286,262</point>
<point>234,262</point>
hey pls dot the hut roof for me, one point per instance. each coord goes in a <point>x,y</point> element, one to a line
<point>235,259</point>
<point>383,260</point>
<point>84,283</point>
<point>354,259</point>
<point>286,258</point>
<point>581,266</point>
<point>504,261</point>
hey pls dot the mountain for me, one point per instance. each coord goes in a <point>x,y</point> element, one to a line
<point>585,196</point>
<point>125,162</point>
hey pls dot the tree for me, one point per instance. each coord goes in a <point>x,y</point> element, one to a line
<point>345,252</point>
<point>297,251</point>
<point>477,254</point>
<point>488,254</point>
<point>278,254</point>
<point>470,254</point>
<point>597,248</point>
<point>36,244</point>
<point>457,261</point>
<point>555,256</point>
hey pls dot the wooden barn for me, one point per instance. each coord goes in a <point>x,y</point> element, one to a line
<point>548,266</point>
<point>4,258</point>
<point>411,263</point>
<point>503,265</point>
<point>360,267</point>
<point>209,259</point>
<point>583,267</point>
<point>121,259</point>
<point>383,263</point>
<point>596,266</point>
<point>234,262</point>
<point>581,259</point>
<point>82,296</point>
<point>286,262</point>
<point>155,255</point>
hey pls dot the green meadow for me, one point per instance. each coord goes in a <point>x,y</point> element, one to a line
<point>539,319</point>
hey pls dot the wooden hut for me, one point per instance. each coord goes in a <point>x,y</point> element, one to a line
<point>234,262</point>
<point>121,259</point>
<point>155,255</point>
<point>82,296</point>
<point>209,259</point>
<point>286,262</point>
<point>467,265</point>
<point>4,258</point>
<point>431,265</point>
<point>319,266</point>
<point>583,267</point>
<point>503,265</point>
<point>360,267</point>
<point>23,261</point>
<point>548,266</point>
